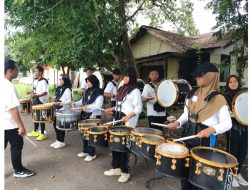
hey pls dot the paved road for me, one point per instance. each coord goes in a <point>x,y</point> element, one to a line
<point>61,169</point>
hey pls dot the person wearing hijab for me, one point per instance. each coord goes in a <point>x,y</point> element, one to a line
<point>63,98</point>
<point>237,137</point>
<point>205,112</point>
<point>128,108</point>
<point>92,101</point>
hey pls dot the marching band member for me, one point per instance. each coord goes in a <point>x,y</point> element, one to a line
<point>111,88</point>
<point>205,112</point>
<point>155,112</point>
<point>84,86</point>
<point>92,102</point>
<point>237,137</point>
<point>128,109</point>
<point>39,96</point>
<point>62,102</point>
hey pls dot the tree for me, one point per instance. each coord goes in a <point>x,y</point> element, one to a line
<point>232,20</point>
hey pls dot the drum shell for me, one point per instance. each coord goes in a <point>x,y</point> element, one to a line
<point>43,115</point>
<point>25,106</point>
<point>83,128</point>
<point>97,140</point>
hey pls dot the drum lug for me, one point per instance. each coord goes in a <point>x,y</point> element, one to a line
<point>95,138</point>
<point>236,171</point>
<point>158,159</point>
<point>198,168</point>
<point>123,140</point>
<point>87,136</point>
<point>173,167</point>
<point>105,137</point>
<point>220,178</point>
<point>138,139</point>
<point>187,162</point>
<point>111,138</point>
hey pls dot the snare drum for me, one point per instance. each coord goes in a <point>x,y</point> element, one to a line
<point>25,105</point>
<point>239,107</point>
<point>172,92</point>
<point>84,125</point>
<point>172,159</point>
<point>67,119</point>
<point>43,113</point>
<point>135,137</point>
<point>148,144</point>
<point>98,136</point>
<point>212,168</point>
<point>118,138</point>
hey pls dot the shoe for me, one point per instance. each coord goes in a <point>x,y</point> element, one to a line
<point>235,183</point>
<point>53,144</point>
<point>82,154</point>
<point>33,134</point>
<point>124,178</point>
<point>60,145</point>
<point>241,180</point>
<point>24,173</point>
<point>89,158</point>
<point>113,172</point>
<point>41,137</point>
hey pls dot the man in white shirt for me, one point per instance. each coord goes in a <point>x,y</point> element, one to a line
<point>111,88</point>
<point>39,96</point>
<point>14,129</point>
<point>89,71</point>
<point>155,112</point>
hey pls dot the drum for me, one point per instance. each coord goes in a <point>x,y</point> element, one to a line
<point>84,125</point>
<point>67,119</point>
<point>118,138</point>
<point>25,105</point>
<point>148,144</point>
<point>239,107</point>
<point>212,168</point>
<point>172,159</point>
<point>172,92</point>
<point>97,136</point>
<point>135,137</point>
<point>100,78</point>
<point>43,113</point>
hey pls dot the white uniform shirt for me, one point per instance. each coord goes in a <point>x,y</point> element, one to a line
<point>8,100</point>
<point>110,88</point>
<point>84,85</point>
<point>220,121</point>
<point>41,87</point>
<point>96,104</point>
<point>149,91</point>
<point>66,98</point>
<point>132,103</point>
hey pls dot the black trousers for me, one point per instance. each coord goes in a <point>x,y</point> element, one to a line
<point>60,135</point>
<point>16,146</point>
<point>120,160</point>
<point>238,145</point>
<point>88,149</point>
<point>156,119</point>
<point>42,125</point>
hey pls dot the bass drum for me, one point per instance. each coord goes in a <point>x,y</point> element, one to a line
<point>172,92</point>
<point>239,107</point>
<point>100,78</point>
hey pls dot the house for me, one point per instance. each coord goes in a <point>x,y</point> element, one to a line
<point>177,56</point>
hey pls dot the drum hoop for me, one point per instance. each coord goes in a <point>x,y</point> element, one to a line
<point>45,121</point>
<point>170,140</point>
<point>99,120</point>
<point>97,133</point>
<point>49,106</point>
<point>25,100</point>
<point>70,114</point>
<point>141,134</point>
<point>152,142</point>
<point>122,133</point>
<point>211,163</point>
<point>157,150</point>
<point>236,116</point>
<point>83,124</point>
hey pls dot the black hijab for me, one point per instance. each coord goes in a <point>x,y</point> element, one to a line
<point>60,89</point>
<point>92,93</point>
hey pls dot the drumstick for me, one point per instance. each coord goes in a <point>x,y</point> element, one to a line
<point>159,124</point>
<point>77,108</point>
<point>185,138</point>
<point>31,141</point>
<point>111,122</point>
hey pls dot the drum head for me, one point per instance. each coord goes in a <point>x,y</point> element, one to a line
<point>144,130</point>
<point>93,120</point>
<point>121,129</point>
<point>173,149</point>
<point>67,112</point>
<point>240,106</point>
<point>98,129</point>
<point>100,78</point>
<point>152,138</point>
<point>166,93</point>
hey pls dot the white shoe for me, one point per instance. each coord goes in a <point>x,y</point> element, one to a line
<point>82,154</point>
<point>60,145</point>
<point>113,172</point>
<point>90,158</point>
<point>235,183</point>
<point>53,144</point>
<point>241,180</point>
<point>124,178</point>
